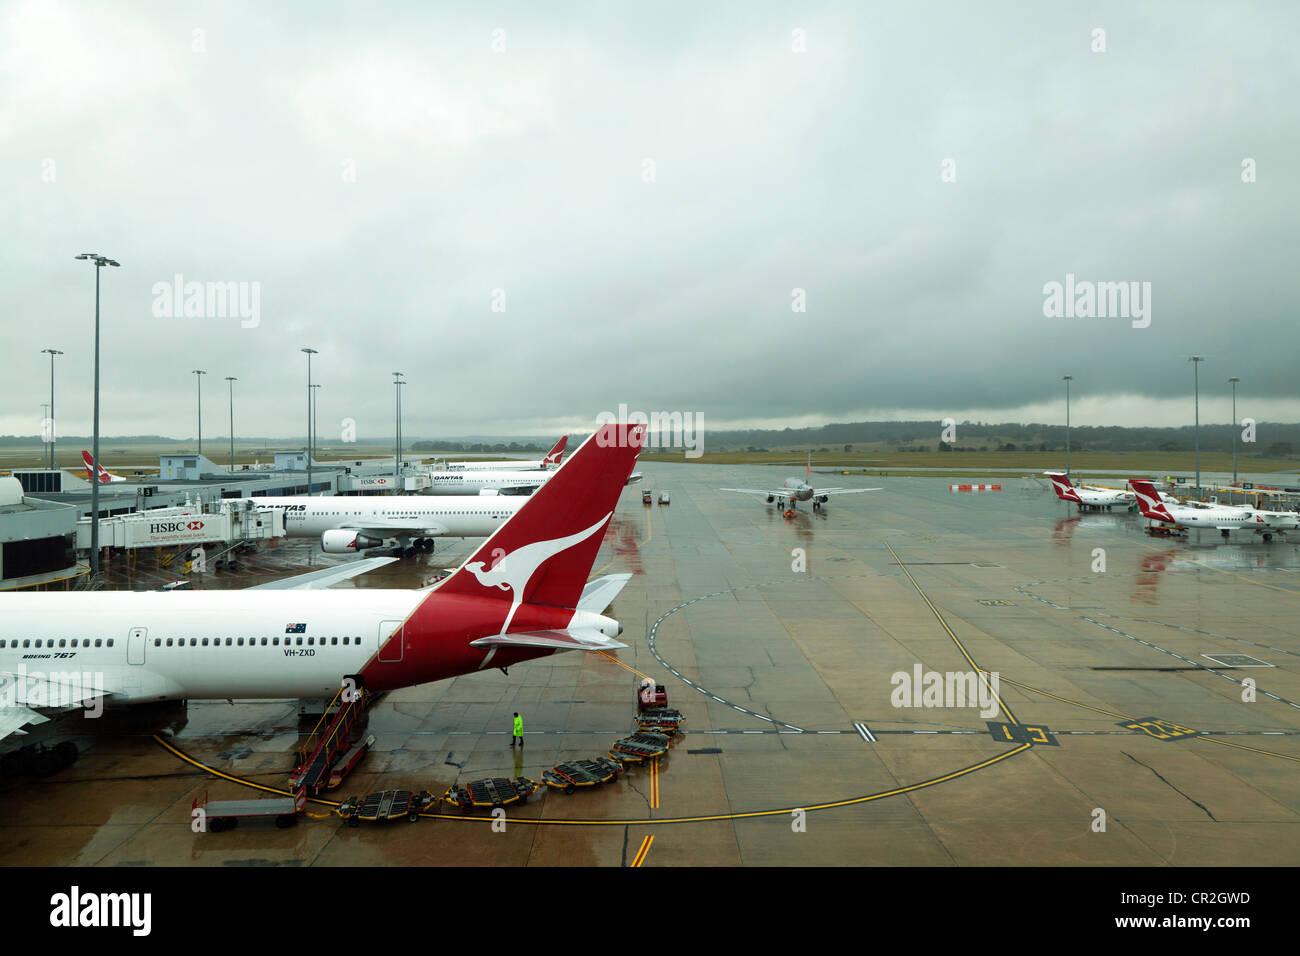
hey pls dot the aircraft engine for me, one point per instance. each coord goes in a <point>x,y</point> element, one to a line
<point>346,542</point>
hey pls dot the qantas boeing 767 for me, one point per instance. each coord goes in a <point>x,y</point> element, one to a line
<point>523,594</point>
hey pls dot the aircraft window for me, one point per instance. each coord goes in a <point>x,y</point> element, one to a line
<point>345,640</point>
<point>333,641</point>
<point>99,641</point>
<point>38,642</point>
<point>2,643</point>
<point>169,642</point>
<point>300,642</point>
<point>110,642</point>
<point>62,642</point>
<point>27,642</point>
<point>157,642</point>
<point>311,640</point>
<point>194,642</point>
<point>205,642</point>
<point>227,642</point>
<point>275,642</point>
<point>264,642</point>
<point>241,642</point>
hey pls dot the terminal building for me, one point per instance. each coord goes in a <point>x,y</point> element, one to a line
<point>45,513</point>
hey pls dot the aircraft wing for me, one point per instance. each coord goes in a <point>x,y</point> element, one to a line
<point>22,696</point>
<point>783,493</point>
<point>569,639</point>
<point>324,577</point>
<point>600,593</point>
<point>388,529</point>
<point>842,491</point>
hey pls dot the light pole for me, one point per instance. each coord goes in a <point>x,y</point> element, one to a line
<point>310,353</point>
<point>53,352</point>
<point>198,377</point>
<point>1196,361</point>
<point>232,380</point>
<point>100,262</point>
<point>1067,379</point>
<point>1234,380</point>
<point>397,457</point>
<point>315,410</point>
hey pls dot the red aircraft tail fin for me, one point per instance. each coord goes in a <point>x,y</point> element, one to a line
<point>544,553</point>
<point>554,456</point>
<point>103,476</point>
<point>1064,490</point>
<point>1149,500</point>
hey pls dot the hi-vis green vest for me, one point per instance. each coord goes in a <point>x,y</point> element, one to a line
<point>519,726</point>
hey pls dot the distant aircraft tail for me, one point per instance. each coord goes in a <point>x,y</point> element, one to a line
<point>1149,500</point>
<point>556,454</point>
<point>103,476</point>
<point>1064,490</point>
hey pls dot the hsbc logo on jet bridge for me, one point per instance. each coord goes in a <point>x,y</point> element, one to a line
<point>175,527</point>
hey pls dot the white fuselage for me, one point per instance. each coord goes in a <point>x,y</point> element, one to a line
<point>476,482</point>
<point>498,466</point>
<point>200,644</point>
<point>1104,497</point>
<point>796,489</point>
<point>1215,516</point>
<point>419,515</point>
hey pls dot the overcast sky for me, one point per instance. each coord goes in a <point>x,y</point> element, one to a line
<point>539,214</point>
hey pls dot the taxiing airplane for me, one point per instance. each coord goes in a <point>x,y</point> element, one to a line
<point>1087,497</point>
<point>800,489</point>
<point>523,594</point>
<point>104,477</point>
<point>1222,518</point>
<point>550,462</point>
<point>351,523</point>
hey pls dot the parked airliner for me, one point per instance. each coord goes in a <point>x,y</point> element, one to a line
<point>523,594</point>
<point>1088,497</point>
<point>1222,518</point>
<point>351,523</point>
<point>550,462</point>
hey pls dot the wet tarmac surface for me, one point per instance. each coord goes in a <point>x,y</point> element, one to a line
<point>788,642</point>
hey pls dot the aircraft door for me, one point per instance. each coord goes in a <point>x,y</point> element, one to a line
<point>390,642</point>
<point>136,640</point>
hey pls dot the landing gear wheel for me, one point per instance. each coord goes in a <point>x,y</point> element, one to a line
<point>570,789</point>
<point>413,816</point>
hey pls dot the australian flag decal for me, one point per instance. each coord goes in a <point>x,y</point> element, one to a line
<point>295,629</point>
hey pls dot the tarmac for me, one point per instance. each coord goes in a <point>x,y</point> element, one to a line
<point>1136,702</point>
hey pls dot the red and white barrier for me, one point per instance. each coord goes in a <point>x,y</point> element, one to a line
<point>974,487</point>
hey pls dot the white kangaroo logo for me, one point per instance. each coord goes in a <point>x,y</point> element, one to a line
<point>514,571</point>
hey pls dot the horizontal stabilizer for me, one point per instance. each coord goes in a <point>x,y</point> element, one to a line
<point>570,639</point>
<point>600,593</point>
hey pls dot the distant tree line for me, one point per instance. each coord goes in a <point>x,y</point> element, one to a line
<point>1274,440</point>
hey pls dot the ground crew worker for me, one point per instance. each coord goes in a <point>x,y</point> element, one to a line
<point>518,731</point>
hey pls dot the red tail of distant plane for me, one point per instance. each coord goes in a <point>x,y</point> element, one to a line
<point>1064,490</point>
<point>1149,500</point>
<point>554,456</point>
<point>104,477</point>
